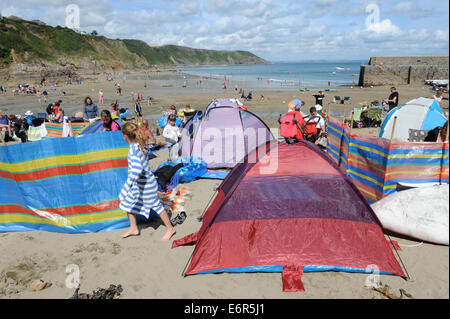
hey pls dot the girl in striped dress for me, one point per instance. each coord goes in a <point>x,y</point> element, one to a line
<point>139,193</point>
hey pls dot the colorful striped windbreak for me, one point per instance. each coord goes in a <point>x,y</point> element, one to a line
<point>379,168</point>
<point>62,129</point>
<point>65,185</point>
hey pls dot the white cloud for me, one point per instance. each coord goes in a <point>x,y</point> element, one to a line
<point>273,29</point>
<point>411,8</point>
<point>385,27</point>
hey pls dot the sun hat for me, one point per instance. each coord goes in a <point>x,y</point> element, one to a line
<point>297,102</point>
<point>28,113</point>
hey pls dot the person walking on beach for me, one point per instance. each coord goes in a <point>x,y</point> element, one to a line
<point>139,195</point>
<point>90,109</point>
<point>38,95</point>
<point>45,94</point>
<point>100,97</point>
<point>392,100</point>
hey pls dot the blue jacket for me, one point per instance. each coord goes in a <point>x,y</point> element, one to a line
<point>90,111</point>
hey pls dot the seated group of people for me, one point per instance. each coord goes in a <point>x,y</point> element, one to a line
<point>295,126</point>
<point>13,128</point>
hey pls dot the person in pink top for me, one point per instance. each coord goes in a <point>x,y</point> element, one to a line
<point>108,123</point>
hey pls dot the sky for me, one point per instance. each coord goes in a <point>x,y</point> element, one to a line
<point>276,30</point>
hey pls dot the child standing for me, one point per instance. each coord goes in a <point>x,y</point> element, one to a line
<point>138,110</point>
<point>100,97</point>
<point>172,133</point>
<point>139,194</point>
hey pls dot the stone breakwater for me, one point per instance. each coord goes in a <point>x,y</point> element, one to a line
<point>403,70</point>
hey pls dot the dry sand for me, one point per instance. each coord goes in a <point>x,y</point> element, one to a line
<point>149,268</point>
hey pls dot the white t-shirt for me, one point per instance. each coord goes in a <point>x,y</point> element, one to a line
<point>171,133</point>
<point>320,122</point>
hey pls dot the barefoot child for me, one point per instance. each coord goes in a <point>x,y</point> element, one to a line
<point>139,194</point>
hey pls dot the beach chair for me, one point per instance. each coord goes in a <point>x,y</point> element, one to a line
<point>346,100</point>
<point>357,123</point>
<point>337,99</point>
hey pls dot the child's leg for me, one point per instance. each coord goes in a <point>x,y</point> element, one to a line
<point>133,230</point>
<point>170,229</point>
<point>170,151</point>
<point>174,151</point>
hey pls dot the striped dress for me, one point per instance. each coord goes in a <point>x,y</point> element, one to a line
<point>139,193</point>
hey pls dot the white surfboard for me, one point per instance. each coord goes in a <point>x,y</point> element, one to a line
<point>422,213</point>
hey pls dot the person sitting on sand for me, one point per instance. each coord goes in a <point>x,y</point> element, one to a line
<point>148,134</point>
<point>57,114</point>
<point>149,100</point>
<point>139,195</point>
<point>115,109</point>
<point>108,123</point>
<point>90,109</point>
<point>172,110</point>
<point>437,97</point>
<point>317,118</point>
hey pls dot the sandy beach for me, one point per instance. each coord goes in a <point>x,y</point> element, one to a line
<point>149,268</point>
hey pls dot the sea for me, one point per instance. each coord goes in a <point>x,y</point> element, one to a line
<point>284,74</point>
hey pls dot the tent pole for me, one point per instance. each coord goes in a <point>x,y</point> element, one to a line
<point>328,114</point>
<point>393,130</point>
<point>389,153</point>
<point>351,123</point>
<point>343,117</point>
<point>444,142</point>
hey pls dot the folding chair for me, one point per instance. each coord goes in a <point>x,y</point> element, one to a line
<point>337,99</point>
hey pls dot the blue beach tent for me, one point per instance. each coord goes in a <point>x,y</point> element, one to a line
<point>418,114</point>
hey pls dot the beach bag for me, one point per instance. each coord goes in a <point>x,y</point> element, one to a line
<point>288,128</point>
<point>310,127</point>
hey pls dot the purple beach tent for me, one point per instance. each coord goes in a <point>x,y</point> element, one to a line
<point>223,134</point>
